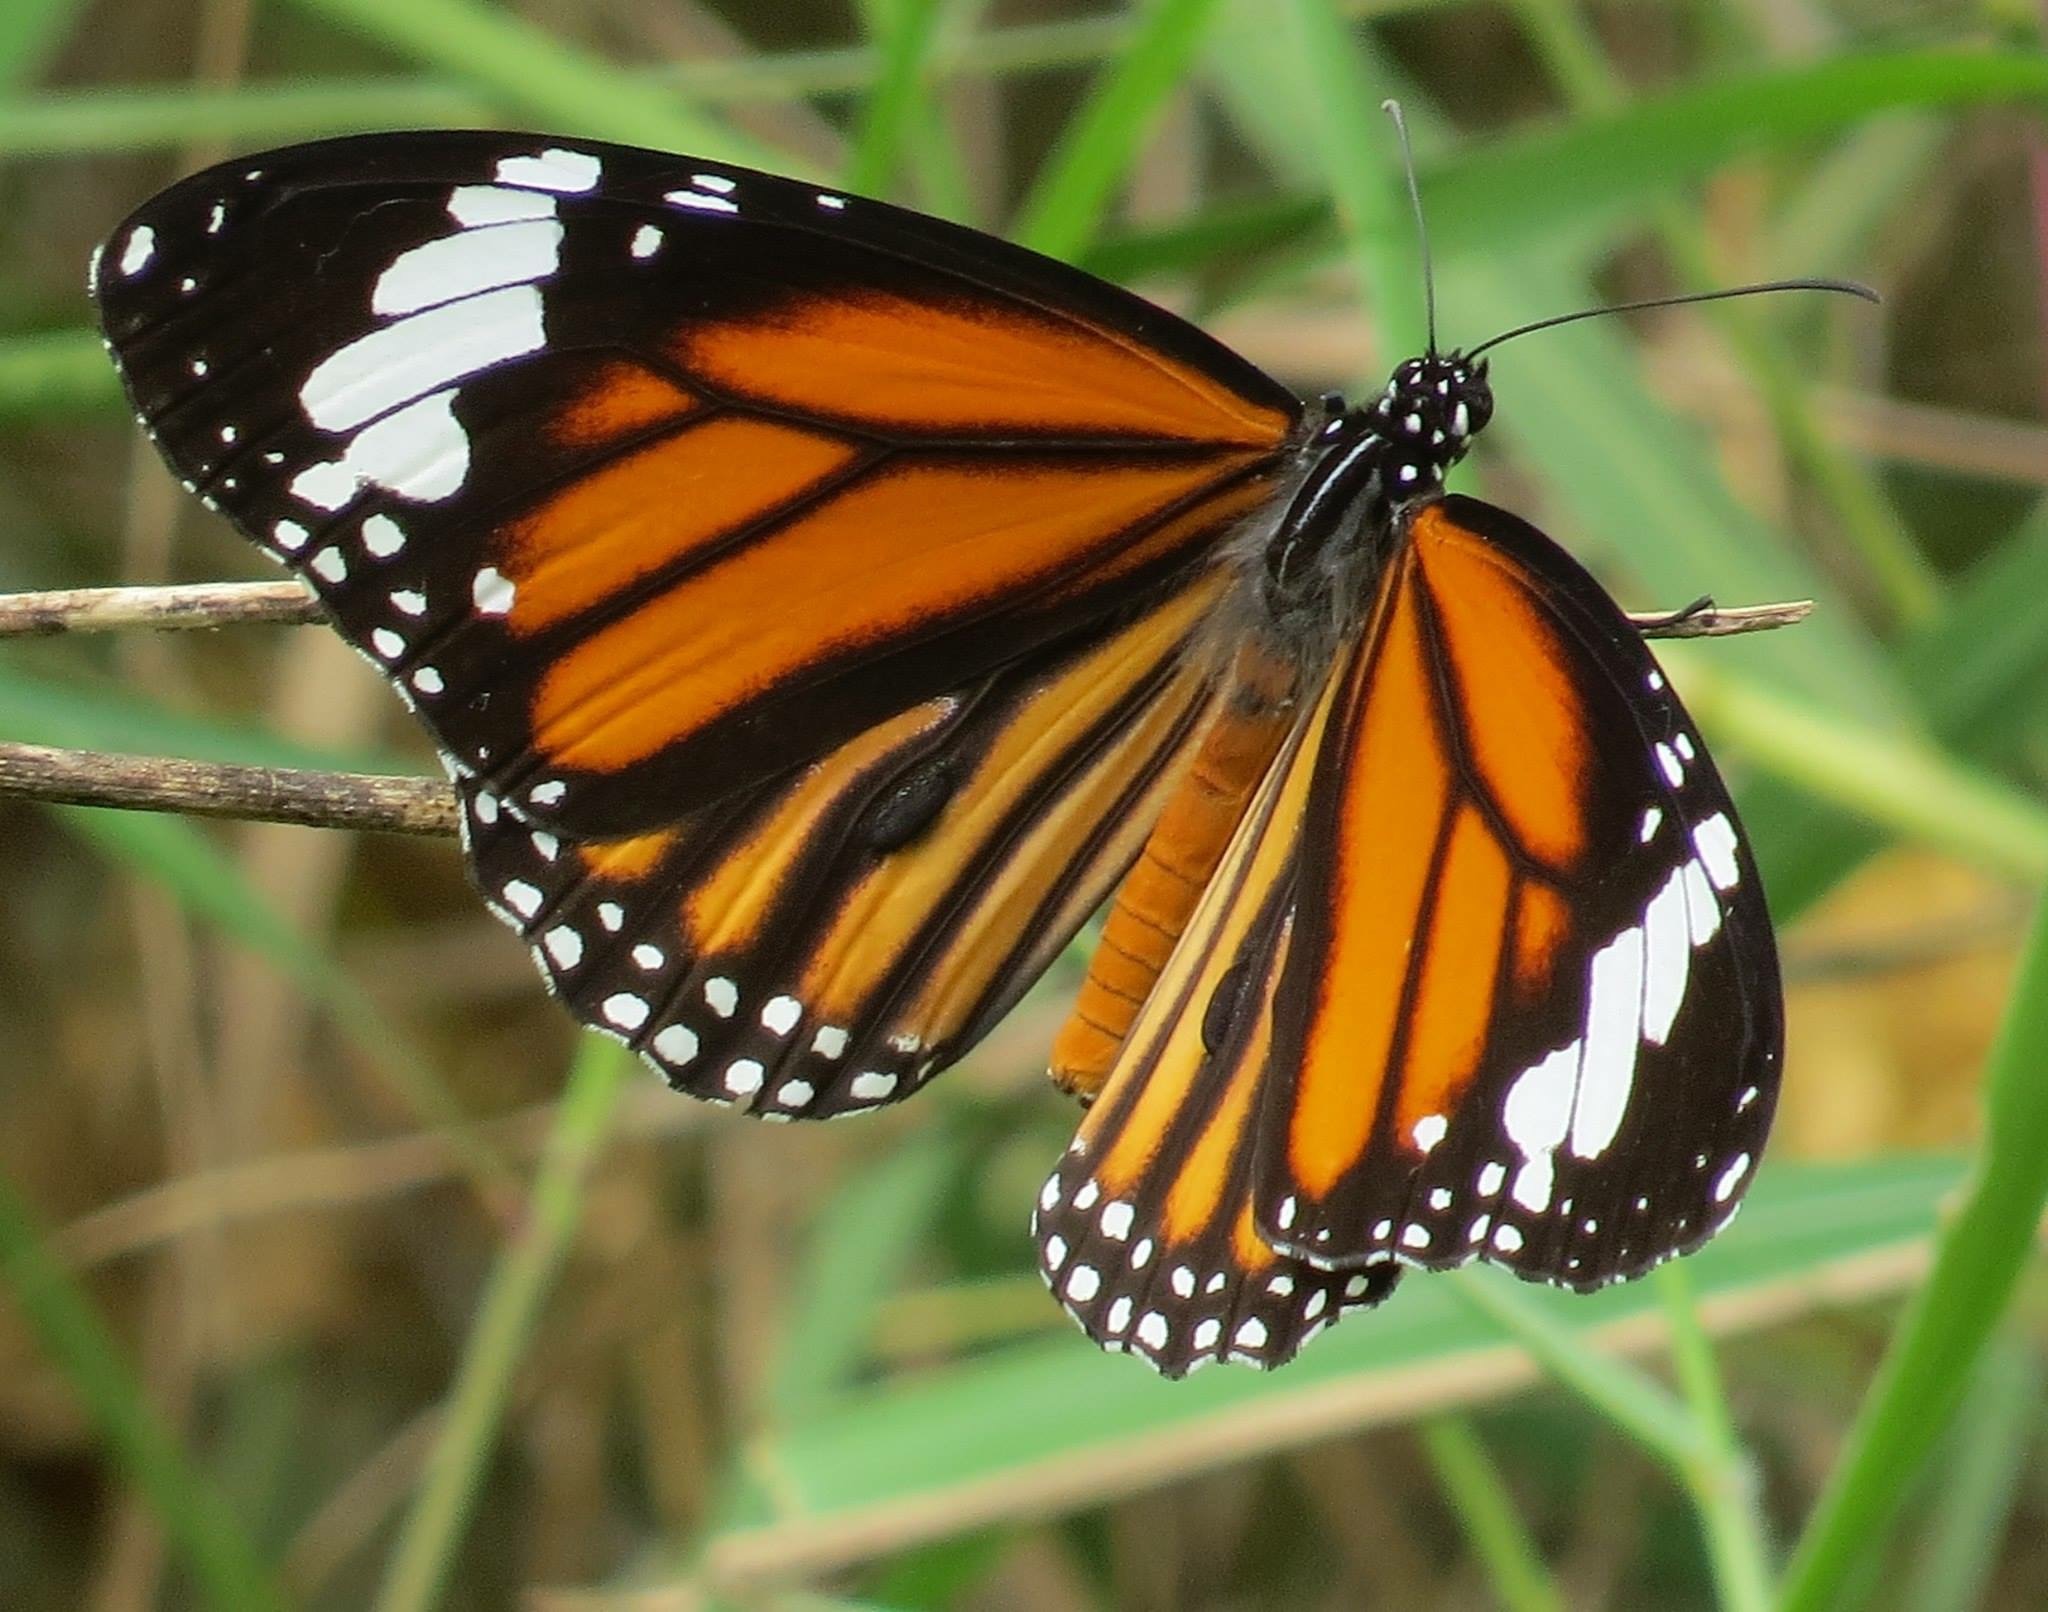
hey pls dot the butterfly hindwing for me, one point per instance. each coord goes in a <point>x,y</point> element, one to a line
<point>1147,1231</point>
<point>828,941</point>
<point>1531,1009</point>
<point>644,478</point>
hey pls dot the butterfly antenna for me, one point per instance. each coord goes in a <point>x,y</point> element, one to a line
<point>1846,287</point>
<point>1393,110</point>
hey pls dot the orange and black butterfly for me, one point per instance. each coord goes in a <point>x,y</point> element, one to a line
<point>822,610</point>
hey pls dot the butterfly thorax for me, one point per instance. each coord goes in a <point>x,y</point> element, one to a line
<point>1362,467</point>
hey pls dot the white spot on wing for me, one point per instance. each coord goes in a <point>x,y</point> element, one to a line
<point>1614,1015</point>
<point>556,168</point>
<point>698,202</point>
<point>1715,841</point>
<point>1702,909</point>
<point>467,262</point>
<point>403,361</point>
<point>624,1009</point>
<point>522,898</point>
<point>474,205</point>
<point>382,537</point>
<point>1533,1183</point>
<point>1667,954</point>
<point>1731,1178</point>
<point>138,250</point>
<point>1538,1110</point>
<point>675,1043</point>
<point>492,592</point>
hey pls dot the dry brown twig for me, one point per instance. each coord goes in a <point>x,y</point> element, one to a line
<point>357,800</point>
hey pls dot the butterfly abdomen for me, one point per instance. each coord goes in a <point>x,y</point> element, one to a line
<point>1253,712</point>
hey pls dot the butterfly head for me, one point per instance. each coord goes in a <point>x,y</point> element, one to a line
<point>1433,407</point>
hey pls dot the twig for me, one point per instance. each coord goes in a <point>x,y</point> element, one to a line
<point>358,800</point>
<point>202,604</point>
<point>228,604</point>
<point>1714,621</point>
<point>220,789</point>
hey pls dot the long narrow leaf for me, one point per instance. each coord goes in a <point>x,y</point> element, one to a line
<point>1943,1334</point>
<point>196,1519</point>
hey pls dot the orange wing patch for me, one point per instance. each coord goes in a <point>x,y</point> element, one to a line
<point>966,367</point>
<point>1524,721</point>
<point>832,580</point>
<point>621,400</point>
<point>1389,825</point>
<point>655,507</point>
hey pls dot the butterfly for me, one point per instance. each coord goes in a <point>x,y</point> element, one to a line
<point>823,610</point>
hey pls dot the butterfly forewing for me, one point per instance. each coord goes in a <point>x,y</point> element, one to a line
<point>647,479</point>
<point>1531,1008</point>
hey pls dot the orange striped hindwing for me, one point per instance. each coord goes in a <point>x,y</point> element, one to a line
<point>829,941</point>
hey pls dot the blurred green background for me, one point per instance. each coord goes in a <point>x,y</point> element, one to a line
<point>337,1274</point>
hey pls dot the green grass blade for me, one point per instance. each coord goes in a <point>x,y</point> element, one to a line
<point>141,118</point>
<point>507,1315</point>
<point>1982,1481</point>
<point>865,1232</point>
<point>1723,1484</point>
<point>535,73</point>
<point>51,373</point>
<point>91,715</point>
<point>1064,208</point>
<point>1479,1498</point>
<point>1890,779</point>
<point>1608,166</point>
<point>30,33</point>
<point>1344,90</point>
<point>1636,1404</point>
<point>1057,1422</point>
<point>197,1522</point>
<point>904,32</point>
<point>1944,1331</point>
<point>1591,85</point>
<point>128,118</point>
<point>1978,674</point>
